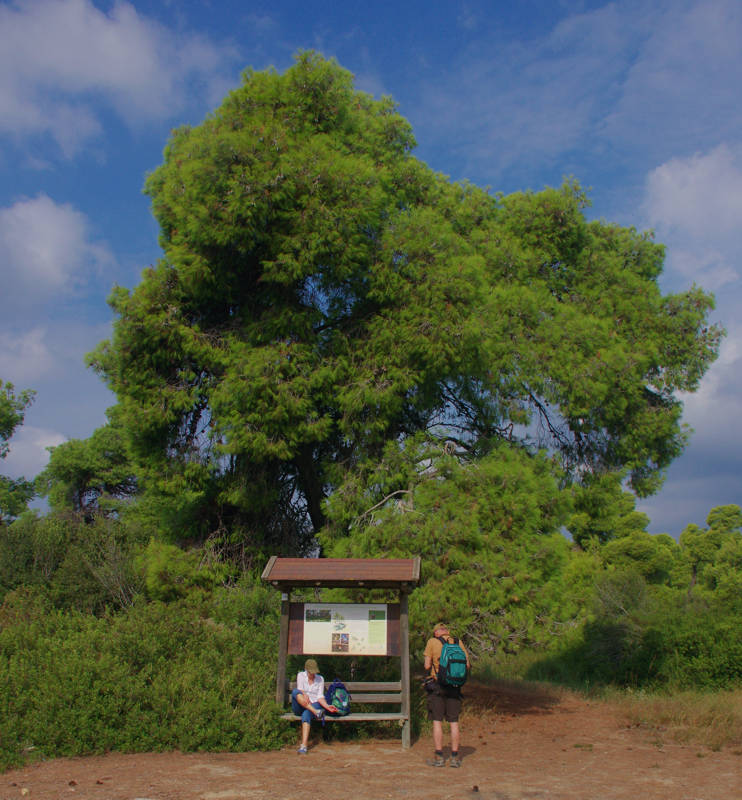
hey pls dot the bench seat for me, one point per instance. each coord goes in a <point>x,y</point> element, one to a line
<point>362,692</point>
<point>357,716</point>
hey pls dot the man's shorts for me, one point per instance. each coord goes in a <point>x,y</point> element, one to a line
<point>444,702</point>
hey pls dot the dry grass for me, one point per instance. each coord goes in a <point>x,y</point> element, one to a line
<point>710,719</point>
<point>705,718</point>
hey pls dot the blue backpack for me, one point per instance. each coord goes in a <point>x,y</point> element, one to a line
<point>337,695</point>
<point>452,670</point>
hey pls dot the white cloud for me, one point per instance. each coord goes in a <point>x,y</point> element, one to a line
<point>467,18</point>
<point>687,497</point>
<point>701,195</point>
<point>681,90</point>
<point>714,410</point>
<point>700,264</point>
<point>371,84</point>
<point>708,473</point>
<point>24,358</point>
<point>695,205</point>
<point>28,451</point>
<point>261,23</point>
<point>45,249</point>
<point>70,399</point>
<point>621,87</point>
<point>58,56</point>
<point>48,356</point>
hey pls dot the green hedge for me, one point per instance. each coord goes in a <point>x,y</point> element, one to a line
<point>665,641</point>
<point>197,674</point>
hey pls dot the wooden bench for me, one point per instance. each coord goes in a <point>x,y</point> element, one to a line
<point>363,692</point>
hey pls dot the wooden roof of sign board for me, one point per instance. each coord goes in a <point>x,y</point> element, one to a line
<point>373,573</point>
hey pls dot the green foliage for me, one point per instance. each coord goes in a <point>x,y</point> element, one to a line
<point>31,549</point>
<point>712,555</point>
<point>342,349</point>
<point>190,675</point>
<point>644,635</point>
<point>89,475</point>
<point>85,566</point>
<point>653,557</point>
<point>14,493</point>
<point>323,295</point>
<point>603,510</point>
<point>487,533</point>
<point>171,573</point>
<point>12,410</point>
<point>14,496</point>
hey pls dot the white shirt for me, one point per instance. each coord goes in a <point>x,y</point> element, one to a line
<point>313,690</point>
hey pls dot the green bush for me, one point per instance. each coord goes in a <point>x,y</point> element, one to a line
<point>641,635</point>
<point>81,565</point>
<point>171,573</point>
<point>192,675</point>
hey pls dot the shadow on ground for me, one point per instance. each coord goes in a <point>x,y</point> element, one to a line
<point>509,697</point>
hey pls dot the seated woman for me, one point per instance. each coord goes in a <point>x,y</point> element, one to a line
<point>308,700</point>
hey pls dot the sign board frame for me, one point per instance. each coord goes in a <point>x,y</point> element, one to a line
<point>399,574</point>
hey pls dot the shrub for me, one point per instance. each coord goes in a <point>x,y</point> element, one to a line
<point>648,636</point>
<point>196,674</point>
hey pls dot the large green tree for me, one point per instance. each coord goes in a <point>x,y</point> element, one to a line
<point>323,293</point>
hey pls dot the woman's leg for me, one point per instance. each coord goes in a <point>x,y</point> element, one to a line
<point>304,733</point>
<point>301,705</point>
<point>299,702</point>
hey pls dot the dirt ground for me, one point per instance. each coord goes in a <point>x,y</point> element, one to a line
<point>518,745</point>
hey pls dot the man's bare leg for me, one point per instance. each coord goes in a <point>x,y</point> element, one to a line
<point>455,737</point>
<point>437,735</point>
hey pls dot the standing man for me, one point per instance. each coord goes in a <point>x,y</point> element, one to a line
<point>443,701</point>
<point>308,700</point>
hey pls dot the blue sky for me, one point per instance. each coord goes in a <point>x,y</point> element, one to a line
<point>640,101</point>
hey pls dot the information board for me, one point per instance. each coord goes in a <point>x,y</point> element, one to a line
<point>345,629</point>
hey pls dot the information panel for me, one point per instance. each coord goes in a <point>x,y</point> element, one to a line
<point>345,629</point>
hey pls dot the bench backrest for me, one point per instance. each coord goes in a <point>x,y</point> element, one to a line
<point>366,692</point>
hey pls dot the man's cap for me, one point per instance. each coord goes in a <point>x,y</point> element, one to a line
<point>310,665</point>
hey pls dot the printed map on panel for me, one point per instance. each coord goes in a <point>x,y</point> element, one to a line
<point>345,629</point>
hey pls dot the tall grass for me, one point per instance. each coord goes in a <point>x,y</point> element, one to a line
<point>702,717</point>
<point>711,719</point>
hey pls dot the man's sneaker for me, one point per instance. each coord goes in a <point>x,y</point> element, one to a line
<point>302,751</point>
<point>437,761</point>
<point>454,762</point>
<point>320,714</point>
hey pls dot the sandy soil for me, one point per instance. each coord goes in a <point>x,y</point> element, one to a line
<point>517,744</point>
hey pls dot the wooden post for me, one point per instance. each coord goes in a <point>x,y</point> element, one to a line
<point>404,641</point>
<point>283,647</point>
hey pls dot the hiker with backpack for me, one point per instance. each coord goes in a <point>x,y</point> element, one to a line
<point>308,700</point>
<point>447,665</point>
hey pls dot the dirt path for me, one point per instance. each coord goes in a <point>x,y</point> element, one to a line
<point>518,745</point>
